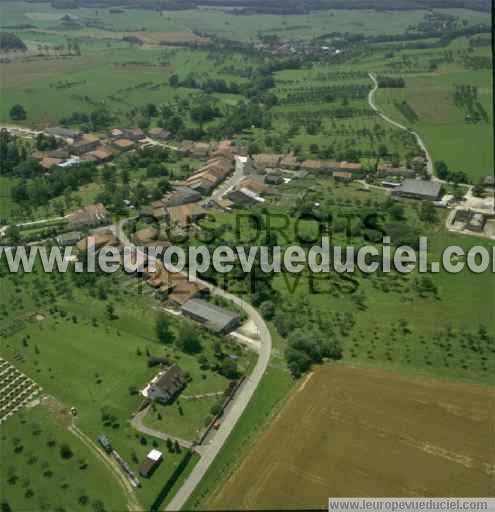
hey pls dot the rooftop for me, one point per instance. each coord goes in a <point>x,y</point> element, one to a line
<point>420,187</point>
<point>214,316</point>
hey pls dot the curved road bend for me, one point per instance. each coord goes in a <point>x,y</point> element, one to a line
<point>137,423</point>
<point>422,145</point>
<point>244,394</point>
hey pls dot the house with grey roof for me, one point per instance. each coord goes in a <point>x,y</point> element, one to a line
<point>419,189</point>
<point>166,385</point>
<point>214,318</point>
<point>68,239</point>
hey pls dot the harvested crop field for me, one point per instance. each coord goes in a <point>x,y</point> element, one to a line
<point>351,431</point>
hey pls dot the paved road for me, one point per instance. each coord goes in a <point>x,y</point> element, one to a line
<point>137,423</point>
<point>422,145</point>
<point>231,182</point>
<point>243,396</point>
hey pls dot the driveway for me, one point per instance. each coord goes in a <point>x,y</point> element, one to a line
<point>243,396</point>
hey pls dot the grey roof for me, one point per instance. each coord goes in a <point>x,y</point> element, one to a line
<point>69,237</point>
<point>215,317</point>
<point>182,195</point>
<point>420,188</point>
<point>62,132</point>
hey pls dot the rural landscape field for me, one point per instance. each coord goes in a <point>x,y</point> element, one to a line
<point>343,422</point>
<point>140,129</point>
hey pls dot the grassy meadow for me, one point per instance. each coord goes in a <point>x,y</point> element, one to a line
<point>463,145</point>
<point>97,365</point>
<point>35,475</point>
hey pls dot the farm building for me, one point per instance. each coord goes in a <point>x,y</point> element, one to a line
<point>88,142</point>
<point>267,160</point>
<point>134,134</point>
<point>150,463</point>
<point>116,133</point>
<point>159,133</point>
<point>205,179</point>
<point>185,214</point>
<point>489,181</point>
<point>476,222</point>
<point>166,385</point>
<point>90,216</point>
<point>319,165</point>
<point>274,179</point>
<point>47,162</point>
<point>213,317</point>
<point>64,133</point>
<point>255,186</point>
<point>174,287</point>
<point>99,240</point>
<point>342,176</point>
<point>290,161</point>
<point>419,189</point>
<point>241,199</point>
<point>101,154</point>
<point>123,144</point>
<point>68,239</point>
<point>183,290</point>
<point>182,195</point>
<point>354,168</point>
<point>195,149</point>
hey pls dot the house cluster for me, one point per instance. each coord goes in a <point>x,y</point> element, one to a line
<point>80,147</point>
<point>182,206</point>
<point>474,221</point>
<point>344,171</point>
<point>266,163</point>
<point>179,208</point>
<point>81,220</point>
<point>219,166</point>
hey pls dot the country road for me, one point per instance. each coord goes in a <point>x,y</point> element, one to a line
<point>422,145</point>
<point>210,451</point>
<point>137,423</point>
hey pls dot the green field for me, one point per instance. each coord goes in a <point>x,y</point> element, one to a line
<point>465,146</point>
<point>6,204</point>
<point>35,476</point>
<point>86,361</point>
<point>220,22</point>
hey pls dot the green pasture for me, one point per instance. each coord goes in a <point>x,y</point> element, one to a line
<point>223,23</point>
<point>34,475</point>
<point>98,365</point>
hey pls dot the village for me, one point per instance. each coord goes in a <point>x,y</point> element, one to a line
<point>228,178</point>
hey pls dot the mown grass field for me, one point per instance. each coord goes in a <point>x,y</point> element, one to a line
<point>463,145</point>
<point>34,475</point>
<point>347,431</point>
<point>115,78</point>
<point>95,364</point>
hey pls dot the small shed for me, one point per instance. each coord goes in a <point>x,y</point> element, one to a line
<point>150,463</point>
